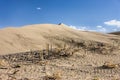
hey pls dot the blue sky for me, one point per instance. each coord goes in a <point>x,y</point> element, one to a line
<point>95,15</point>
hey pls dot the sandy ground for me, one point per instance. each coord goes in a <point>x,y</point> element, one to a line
<point>80,66</point>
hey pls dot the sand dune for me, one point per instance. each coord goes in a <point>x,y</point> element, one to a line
<point>34,37</point>
<point>97,58</point>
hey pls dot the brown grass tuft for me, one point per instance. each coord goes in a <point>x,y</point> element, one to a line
<point>109,65</point>
<point>54,76</point>
<point>4,63</point>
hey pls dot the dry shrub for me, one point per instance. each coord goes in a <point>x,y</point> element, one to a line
<point>96,78</point>
<point>4,63</point>
<point>109,65</point>
<point>24,79</point>
<point>115,78</point>
<point>54,76</point>
<point>16,66</point>
<point>43,63</point>
<point>57,75</point>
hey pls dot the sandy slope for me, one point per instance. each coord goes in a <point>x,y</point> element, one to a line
<point>33,37</point>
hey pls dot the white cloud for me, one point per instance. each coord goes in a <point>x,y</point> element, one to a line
<point>83,28</point>
<point>74,27</point>
<point>113,23</point>
<point>101,29</point>
<point>38,8</point>
<point>99,26</point>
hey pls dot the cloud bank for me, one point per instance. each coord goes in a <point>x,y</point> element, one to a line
<point>113,23</point>
<point>107,27</point>
<point>85,28</point>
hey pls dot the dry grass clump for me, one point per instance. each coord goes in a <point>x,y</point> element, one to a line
<point>115,79</point>
<point>4,63</point>
<point>97,47</point>
<point>16,66</point>
<point>54,76</point>
<point>43,63</point>
<point>109,65</point>
<point>96,78</point>
<point>24,79</point>
<point>51,52</point>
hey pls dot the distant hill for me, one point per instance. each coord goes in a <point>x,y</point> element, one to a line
<point>116,33</point>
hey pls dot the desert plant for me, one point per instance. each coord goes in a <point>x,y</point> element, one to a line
<point>64,46</point>
<point>16,66</point>
<point>41,56</point>
<point>4,63</point>
<point>109,65</point>
<point>96,78</point>
<point>54,76</point>
<point>115,77</point>
<point>66,53</point>
<point>47,47</point>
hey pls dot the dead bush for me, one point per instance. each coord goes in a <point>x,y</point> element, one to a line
<point>109,65</point>
<point>4,64</point>
<point>54,76</point>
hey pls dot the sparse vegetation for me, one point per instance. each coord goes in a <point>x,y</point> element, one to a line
<point>43,57</point>
<point>16,66</point>
<point>54,76</point>
<point>4,64</point>
<point>109,65</point>
<point>96,79</point>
